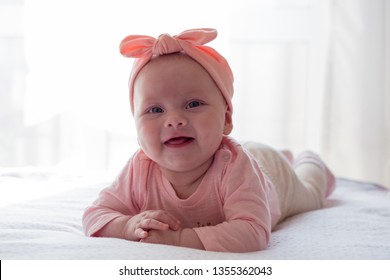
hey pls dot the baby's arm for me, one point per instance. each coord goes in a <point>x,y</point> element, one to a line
<point>116,212</point>
<point>137,227</point>
<point>184,237</point>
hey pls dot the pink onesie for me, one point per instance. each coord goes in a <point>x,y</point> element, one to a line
<point>233,209</point>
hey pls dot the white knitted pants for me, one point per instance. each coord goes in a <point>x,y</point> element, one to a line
<point>300,185</point>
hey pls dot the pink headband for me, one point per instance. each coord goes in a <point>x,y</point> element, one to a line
<point>144,48</point>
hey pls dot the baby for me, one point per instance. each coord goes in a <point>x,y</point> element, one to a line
<point>190,184</point>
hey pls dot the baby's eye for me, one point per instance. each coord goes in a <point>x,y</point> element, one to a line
<point>155,110</point>
<point>193,104</point>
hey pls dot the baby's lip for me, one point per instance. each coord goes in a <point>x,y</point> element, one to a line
<point>178,141</point>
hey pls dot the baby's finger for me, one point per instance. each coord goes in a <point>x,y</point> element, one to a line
<point>150,223</point>
<point>166,218</point>
<point>140,233</point>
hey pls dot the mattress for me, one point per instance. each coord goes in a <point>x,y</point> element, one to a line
<point>354,224</point>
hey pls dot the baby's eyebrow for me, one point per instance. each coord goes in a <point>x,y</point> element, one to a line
<point>150,100</point>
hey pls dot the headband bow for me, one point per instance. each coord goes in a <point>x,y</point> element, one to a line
<point>144,48</point>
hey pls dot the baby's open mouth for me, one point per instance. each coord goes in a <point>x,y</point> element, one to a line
<point>178,141</point>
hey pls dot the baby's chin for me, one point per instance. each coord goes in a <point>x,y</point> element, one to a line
<point>186,165</point>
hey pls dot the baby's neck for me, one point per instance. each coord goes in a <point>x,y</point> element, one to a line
<point>186,183</point>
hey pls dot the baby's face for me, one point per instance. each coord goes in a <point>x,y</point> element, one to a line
<point>179,112</point>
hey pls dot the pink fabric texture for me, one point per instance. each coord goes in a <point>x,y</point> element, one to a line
<point>144,48</point>
<point>233,209</point>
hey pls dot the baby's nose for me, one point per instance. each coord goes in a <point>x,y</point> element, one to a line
<point>175,120</point>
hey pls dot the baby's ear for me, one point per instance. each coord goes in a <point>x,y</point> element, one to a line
<point>228,122</point>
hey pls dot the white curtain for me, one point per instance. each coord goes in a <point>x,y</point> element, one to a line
<point>310,74</point>
<point>317,76</point>
<point>357,113</point>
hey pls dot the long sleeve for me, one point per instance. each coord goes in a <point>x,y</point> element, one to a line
<point>116,200</point>
<point>246,196</point>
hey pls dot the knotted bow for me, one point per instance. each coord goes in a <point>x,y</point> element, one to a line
<point>191,42</point>
<point>138,45</point>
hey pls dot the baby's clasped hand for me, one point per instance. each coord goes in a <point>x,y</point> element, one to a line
<point>167,237</point>
<point>138,226</point>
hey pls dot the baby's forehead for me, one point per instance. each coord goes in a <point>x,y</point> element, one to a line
<point>160,66</point>
<point>173,72</point>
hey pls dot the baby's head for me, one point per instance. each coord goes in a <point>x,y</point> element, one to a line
<point>180,96</point>
<point>190,42</point>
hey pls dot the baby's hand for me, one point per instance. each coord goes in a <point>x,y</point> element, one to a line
<point>139,225</point>
<point>167,237</point>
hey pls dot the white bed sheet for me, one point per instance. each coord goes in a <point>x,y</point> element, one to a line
<point>355,224</point>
